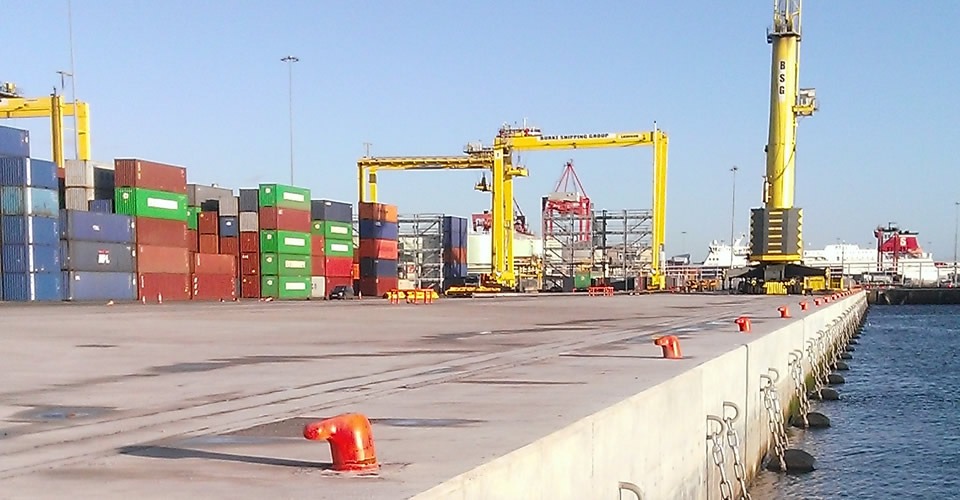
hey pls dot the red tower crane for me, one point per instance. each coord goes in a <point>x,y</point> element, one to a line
<point>569,198</point>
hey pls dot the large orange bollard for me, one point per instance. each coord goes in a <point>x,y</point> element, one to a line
<point>743,323</point>
<point>350,438</point>
<point>670,345</point>
<point>784,311</point>
<point>803,305</point>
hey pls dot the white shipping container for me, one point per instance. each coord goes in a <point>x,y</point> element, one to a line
<point>318,287</point>
<point>79,173</point>
<point>76,198</point>
<point>249,222</point>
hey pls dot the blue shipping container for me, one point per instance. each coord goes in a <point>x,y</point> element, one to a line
<point>97,257</point>
<point>454,270</point>
<point>378,230</point>
<point>29,201</point>
<point>376,268</point>
<point>28,172</point>
<point>454,232</point>
<point>84,286</point>
<point>24,287</point>
<point>14,142</point>
<point>96,226</point>
<point>229,226</point>
<point>27,229</point>
<point>30,258</point>
<point>101,206</point>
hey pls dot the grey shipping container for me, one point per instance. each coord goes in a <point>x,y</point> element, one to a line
<point>249,222</point>
<point>249,200</point>
<point>98,257</point>
<point>328,210</point>
<point>196,194</point>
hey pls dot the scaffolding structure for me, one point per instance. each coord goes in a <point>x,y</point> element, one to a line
<point>567,251</point>
<point>623,245</point>
<point>420,249</point>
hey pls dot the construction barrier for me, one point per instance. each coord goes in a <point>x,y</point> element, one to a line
<point>600,291</point>
<point>414,296</point>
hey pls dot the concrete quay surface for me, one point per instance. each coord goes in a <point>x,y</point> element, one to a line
<point>209,400</point>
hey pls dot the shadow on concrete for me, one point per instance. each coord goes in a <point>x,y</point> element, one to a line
<point>179,453</point>
<point>624,356</point>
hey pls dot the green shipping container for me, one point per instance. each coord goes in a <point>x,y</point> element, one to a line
<point>333,230</point>
<point>193,214</point>
<point>278,195</point>
<point>288,242</point>
<point>272,264</point>
<point>338,248</point>
<point>152,204</point>
<point>581,280</point>
<point>285,287</point>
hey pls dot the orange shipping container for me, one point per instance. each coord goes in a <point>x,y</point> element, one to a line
<point>378,211</point>
<point>378,249</point>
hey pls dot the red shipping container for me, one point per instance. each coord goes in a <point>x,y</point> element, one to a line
<point>150,175</point>
<point>285,219</point>
<point>214,287</point>
<point>208,223</point>
<point>332,282</point>
<point>250,264</point>
<point>209,243</point>
<point>318,266</point>
<point>377,287</point>
<point>163,260</point>
<point>250,287</point>
<point>249,242</point>
<point>316,246</point>
<point>338,266</point>
<point>161,232</point>
<point>169,287</point>
<point>193,241</point>
<point>455,255</point>
<point>230,245</point>
<point>206,263</point>
<point>378,249</point>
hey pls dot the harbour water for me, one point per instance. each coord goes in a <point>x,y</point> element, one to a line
<point>894,434</point>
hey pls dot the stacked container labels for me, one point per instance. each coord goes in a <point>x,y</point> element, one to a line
<point>29,213</point>
<point>217,249</point>
<point>285,243</point>
<point>378,248</point>
<point>454,249</point>
<point>154,194</point>
<point>97,256</point>
<point>332,246</point>
<point>249,225</point>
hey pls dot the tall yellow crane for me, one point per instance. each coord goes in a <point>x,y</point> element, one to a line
<point>13,105</point>
<point>776,237</point>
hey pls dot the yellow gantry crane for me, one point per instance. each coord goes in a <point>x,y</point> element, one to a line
<point>776,236</point>
<point>13,105</point>
<point>499,160</point>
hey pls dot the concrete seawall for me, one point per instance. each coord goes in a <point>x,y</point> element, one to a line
<point>657,439</point>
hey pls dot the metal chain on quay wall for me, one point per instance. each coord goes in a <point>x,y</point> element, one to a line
<point>827,352</point>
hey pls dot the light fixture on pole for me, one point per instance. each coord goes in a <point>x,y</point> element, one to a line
<point>290,60</point>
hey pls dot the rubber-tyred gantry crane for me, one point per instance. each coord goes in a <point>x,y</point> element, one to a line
<point>13,105</point>
<point>776,236</point>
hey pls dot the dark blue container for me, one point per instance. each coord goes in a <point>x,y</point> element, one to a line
<point>454,232</point>
<point>30,258</point>
<point>96,226</point>
<point>377,268</point>
<point>378,230</point>
<point>14,142</point>
<point>28,172</point>
<point>83,286</point>
<point>229,226</point>
<point>454,270</point>
<point>97,256</point>
<point>27,229</point>
<point>25,287</point>
<point>29,201</point>
<point>329,210</point>
<point>104,180</point>
<point>101,206</point>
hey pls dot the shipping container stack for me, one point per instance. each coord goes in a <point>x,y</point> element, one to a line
<point>155,195</point>
<point>249,225</point>
<point>285,242</point>
<point>332,246</point>
<point>378,248</point>
<point>214,264</point>
<point>89,186</point>
<point>97,256</point>
<point>454,249</point>
<point>29,213</point>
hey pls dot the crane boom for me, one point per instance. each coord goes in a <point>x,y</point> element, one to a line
<point>56,109</point>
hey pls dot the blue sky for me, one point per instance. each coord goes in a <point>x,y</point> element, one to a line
<point>201,84</point>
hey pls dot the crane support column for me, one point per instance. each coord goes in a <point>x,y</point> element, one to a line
<point>56,128</point>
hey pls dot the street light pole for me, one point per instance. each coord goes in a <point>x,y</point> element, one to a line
<point>956,227</point>
<point>733,212</point>
<point>73,82</point>
<point>290,60</point>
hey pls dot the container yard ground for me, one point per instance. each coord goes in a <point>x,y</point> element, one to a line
<point>193,400</point>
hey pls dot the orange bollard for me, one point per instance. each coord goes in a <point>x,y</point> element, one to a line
<point>817,301</point>
<point>670,345</point>
<point>350,438</point>
<point>803,305</point>
<point>784,311</point>
<point>743,323</point>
